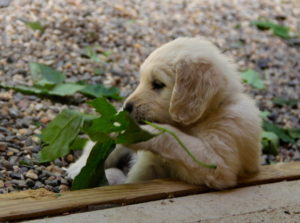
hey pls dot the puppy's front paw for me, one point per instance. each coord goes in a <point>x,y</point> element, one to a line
<point>74,169</point>
<point>150,129</point>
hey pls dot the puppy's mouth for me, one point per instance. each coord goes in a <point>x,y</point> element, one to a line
<point>140,114</point>
<point>142,121</point>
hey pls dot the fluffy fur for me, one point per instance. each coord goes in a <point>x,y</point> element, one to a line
<point>191,88</point>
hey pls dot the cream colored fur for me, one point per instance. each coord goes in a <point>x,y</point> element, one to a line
<point>204,104</point>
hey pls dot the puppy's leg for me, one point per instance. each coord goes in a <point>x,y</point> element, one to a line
<point>75,168</point>
<point>113,174</point>
<point>148,166</point>
<point>210,148</point>
<point>121,158</point>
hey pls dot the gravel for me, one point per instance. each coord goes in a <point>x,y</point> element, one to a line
<point>129,30</point>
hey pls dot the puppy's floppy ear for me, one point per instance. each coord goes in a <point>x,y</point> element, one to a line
<point>196,83</point>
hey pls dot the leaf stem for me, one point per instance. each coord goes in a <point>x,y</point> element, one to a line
<point>203,164</point>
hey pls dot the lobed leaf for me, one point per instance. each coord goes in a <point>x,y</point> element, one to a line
<point>44,75</point>
<point>280,132</point>
<point>294,133</point>
<point>99,90</point>
<point>285,101</point>
<point>270,142</point>
<point>93,174</point>
<point>278,30</point>
<point>91,53</point>
<point>35,26</point>
<point>66,89</point>
<point>59,134</point>
<point>103,107</point>
<point>131,132</point>
<point>78,143</point>
<point>252,77</point>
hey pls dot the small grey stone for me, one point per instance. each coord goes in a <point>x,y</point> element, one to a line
<point>30,182</point>
<point>5,3</point>
<point>13,160</point>
<point>58,162</point>
<point>17,175</point>
<point>64,181</point>
<point>14,112</point>
<point>36,149</point>
<point>38,184</point>
<point>3,130</point>
<point>19,183</point>
<point>53,183</point>
<point>23,169</point>
<point>7,164</point>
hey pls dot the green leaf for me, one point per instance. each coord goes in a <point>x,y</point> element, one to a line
<point>281,31</point>
<point>99,90</point>
<point>264,114</point>
<point>278,30</point>
<point>107,53</point>
<point>44,75</point>
<point>99,128</point>
<point>130,131</point>
<point>91,53</point>
<point>253,78</point>
<point>29,90</point>
<point>280,132</point>
<point>59,134</point>
<point>98,71</point>
<point>103,107</point>
<point>93,175</point>
<point>78,143</point>
<point>270,143</point>
<point>66,89</point>
<point>294,133</point>
<point>285,101</point>
<point>263,25</point>
<point>35,26</point>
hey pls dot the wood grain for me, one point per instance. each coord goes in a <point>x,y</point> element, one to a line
<point>41,203</point>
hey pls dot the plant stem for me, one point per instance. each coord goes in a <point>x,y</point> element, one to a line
<point>203,164</point>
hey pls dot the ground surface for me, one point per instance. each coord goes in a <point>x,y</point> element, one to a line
<point>269,203</point>
<point>130,30</point>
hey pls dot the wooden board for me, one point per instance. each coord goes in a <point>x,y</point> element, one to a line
<point>268,203</point>
<point>39,203</point>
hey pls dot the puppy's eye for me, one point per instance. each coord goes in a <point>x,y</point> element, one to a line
<point>157,85</point>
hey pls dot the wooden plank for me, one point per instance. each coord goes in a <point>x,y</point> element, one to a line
<point>275,202</point>
<point>32,204</point>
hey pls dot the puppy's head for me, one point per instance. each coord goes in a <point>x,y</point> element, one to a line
<point>181,81</point>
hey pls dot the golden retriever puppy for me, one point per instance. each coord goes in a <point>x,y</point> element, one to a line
<point>189,87</point>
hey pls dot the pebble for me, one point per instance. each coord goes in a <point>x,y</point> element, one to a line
<point>70,158</point>
<point>44,120</point>
<point>32,175</point>
<point>10,153</point>
<point>19,183</point>
<point>3,147</point>
<point>52,183</point>
<point>1,183</point>
<point>63,188</point>
<point>29,182</point>
<point>24,131</point>
<point>38,184</point>
<point>17,176</point>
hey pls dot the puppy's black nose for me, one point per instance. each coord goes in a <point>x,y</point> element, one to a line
<point>128,107</point>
